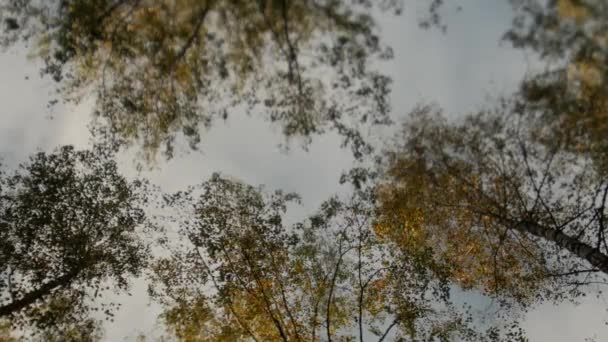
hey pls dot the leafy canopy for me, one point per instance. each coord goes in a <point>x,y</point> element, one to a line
<point>570,95</point>
<point>240,273</point>
<point>159,69</point>
<point>70,228</point>
<point>513,200</point>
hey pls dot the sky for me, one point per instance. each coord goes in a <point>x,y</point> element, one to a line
<point>462,70</point>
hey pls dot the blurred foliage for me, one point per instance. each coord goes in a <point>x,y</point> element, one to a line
<point>571,36</point>
<point>159,69</point>
<point>71,228</point>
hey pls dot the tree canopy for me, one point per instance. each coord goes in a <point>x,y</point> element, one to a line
<point>70,228</point>
<point>159,69</point>
<point>241,273</point>
<point>570,94</point>
<point>501,212</point>
<point>513,199</point>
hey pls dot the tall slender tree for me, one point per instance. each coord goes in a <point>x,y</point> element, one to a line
<point>513,199</point>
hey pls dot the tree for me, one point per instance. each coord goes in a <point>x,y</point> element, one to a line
<point>242,274</point>
<point>163,68</point>
<point>513,200</point>
<point>501,211</point>
<point>70,228</point>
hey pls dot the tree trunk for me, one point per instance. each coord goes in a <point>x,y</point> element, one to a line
<point>593,255</point>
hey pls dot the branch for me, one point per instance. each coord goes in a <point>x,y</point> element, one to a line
<point>292,58</point>
<point>35,295</point>
<point>283,294</point>
<point>193,37</point>
<point>217,287</point>
<point>601,219</point>
<point>277,321</point>
<point>388,330</point>
<point>331,288</point>
<point>361,288</point>
<point>575,272</point>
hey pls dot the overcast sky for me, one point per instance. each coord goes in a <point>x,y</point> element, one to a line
<point>462,71</point>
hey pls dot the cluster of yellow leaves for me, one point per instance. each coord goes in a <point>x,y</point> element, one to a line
<point>571,9</point>
<point>256,310</point>
<point>577,102</point>
<point>6,334</point>
<point>442,216</point>
<point>588,128</point>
